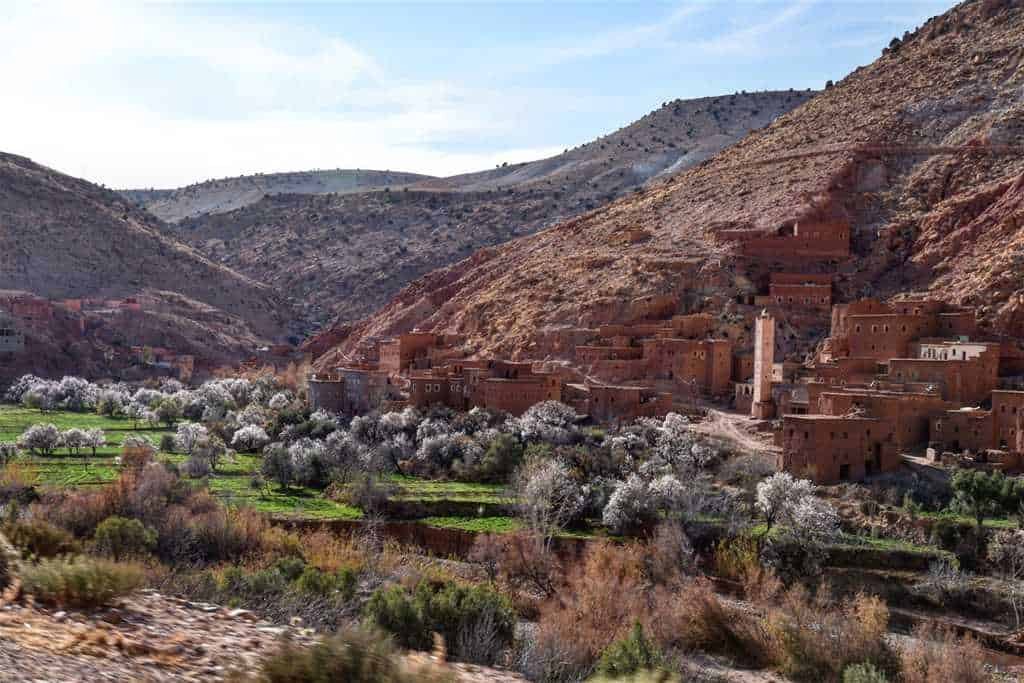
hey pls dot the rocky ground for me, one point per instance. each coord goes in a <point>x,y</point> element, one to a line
<point>153,637</point>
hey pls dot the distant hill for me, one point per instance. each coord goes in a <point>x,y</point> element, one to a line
<point>342,256</point>
<point>921,154</point>
<point>62,237</point>
<point>227,194</point>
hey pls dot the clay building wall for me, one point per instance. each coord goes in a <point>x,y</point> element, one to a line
<point>846,370</point>
<point>841,314</point>
<point>707,363</point>
<point>622,404</point>
<point>619,370</point>
<point>428,390</point>
<point>800,278</point>
<point>910,414</point>
<point>801,296</point>
<point>743,396</point>
<point>957,324</point>
<point>968,429</point>
<point>327,392</point>
<point>743,367</point>
<point>365,389</point>
<point>829,450</point>
<point>885,336</point>
<point>805,239</point>
<point>961,381</point>
<point>397,355</point>
<point>1008,420</point>
<point>692,326</point>
<point>1011,358</point>
<point>516,396</point>
<point>592,354</point>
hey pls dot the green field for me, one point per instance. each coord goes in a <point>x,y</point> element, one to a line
<point>232,482</point>
<point>411,488</point>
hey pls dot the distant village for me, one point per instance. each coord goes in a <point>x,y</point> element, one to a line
<point>908,376</point>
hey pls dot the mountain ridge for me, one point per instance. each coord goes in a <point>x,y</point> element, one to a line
<point>900,150</point>
<point>342,256</point>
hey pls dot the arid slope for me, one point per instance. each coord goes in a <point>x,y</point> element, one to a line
<point>227,194</point>
<point>922,151</point>
<point>61,237</point>
<point>344,256</point>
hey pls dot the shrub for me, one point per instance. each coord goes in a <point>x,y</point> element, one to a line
<point>80,582</point>
<point>462,615</point>
<point>352,655</point>
<point>502,457</point>
<point>197,468</point>
<point>317,582</point>
<point>936,654</point>
<point>629,655</point>
<point>812,639</point>
<point>122,538</point>
<point>8,453</point>
<point>38,538</point>
<point>167,443</point>
<point>863,673</point>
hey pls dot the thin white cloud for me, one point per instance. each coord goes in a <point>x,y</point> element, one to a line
<point>621,39</point>
<point>153,96</point>
<point>750,40</point>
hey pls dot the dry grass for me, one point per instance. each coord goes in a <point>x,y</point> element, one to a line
<point>939,655</point>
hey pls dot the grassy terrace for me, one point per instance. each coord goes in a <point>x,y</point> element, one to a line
<point>411,488</point>
<point>233,479</point>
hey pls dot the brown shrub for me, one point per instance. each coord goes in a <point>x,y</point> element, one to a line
<point>812,638</point>
<point>80,512</point>
<point>694,618</point>
<point>937,654</point>
<point>603,597</point>
<point>331,553</point>
<point>38,538</point>
<point>79,581</point>
<point>519,560</point>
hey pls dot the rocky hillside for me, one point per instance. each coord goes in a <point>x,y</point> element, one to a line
<point>61,237</point>
<point>343,256</point>
<point>227,194</point>
<point>921,153</point>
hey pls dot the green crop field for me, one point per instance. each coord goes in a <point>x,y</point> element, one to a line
<point>232,482</point>
<point>412,488</point>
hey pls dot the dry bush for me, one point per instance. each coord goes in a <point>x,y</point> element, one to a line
<point>939,655</point>
<point>737,559</point>
<point>16,475</point>
<point>603,597</point>
<point>812,638</point>
<point>79,581</point>
<point>353,655</point>
<point>668,556</point>
<point>37,538</point>
<point>330,552</point>
<point>694,618</point>
<point>520,560</point>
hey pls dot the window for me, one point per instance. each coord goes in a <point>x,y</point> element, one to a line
<point>856,328</point>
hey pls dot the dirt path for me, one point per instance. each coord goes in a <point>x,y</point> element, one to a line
<point>737,430</point>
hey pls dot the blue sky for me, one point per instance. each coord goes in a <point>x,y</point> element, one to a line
<point>165,94</point>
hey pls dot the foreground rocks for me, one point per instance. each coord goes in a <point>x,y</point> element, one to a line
<point>146,637</point>
<point>152,637</point>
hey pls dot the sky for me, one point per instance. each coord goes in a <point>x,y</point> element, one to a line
<point>167,94</point>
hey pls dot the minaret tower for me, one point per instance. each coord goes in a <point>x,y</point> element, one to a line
<point>764,358</point>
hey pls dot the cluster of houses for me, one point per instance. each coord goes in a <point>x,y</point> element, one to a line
<point>891,379</point>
